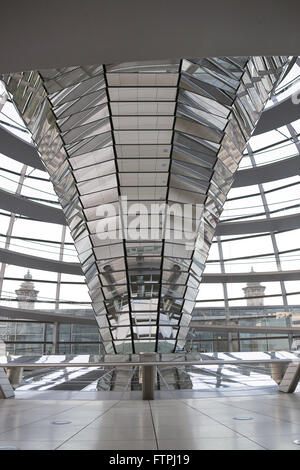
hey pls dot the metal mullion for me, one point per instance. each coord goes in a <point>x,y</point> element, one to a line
<point>273,238</point>
<point>225,291</point>
<point>257,214</point>
<point>110,174</point>
<point>141,86</point>
<point>215,161</point>
<point>253,256</point>
<point>61,253</point>
<point>143,115</point>
<point>160,300</point>
<point>44,280</point>
<point>119,192</point>
<point>71,169</point>
<point>242,298</point>
<point>27,176</point>
<point>270,146</point>
<point>266,192</point>
<point>47,301</point>
<point>146,158</point>
<point>250,236</point>
<point>144,101</point>
<point>73,101</point>
<point>11,224</point>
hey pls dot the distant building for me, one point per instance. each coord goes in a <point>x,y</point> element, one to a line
<point>27,294</point>
<point>254,289</point>
<point>20,331</point>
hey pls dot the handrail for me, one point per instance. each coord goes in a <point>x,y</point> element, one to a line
<point>150,363</point>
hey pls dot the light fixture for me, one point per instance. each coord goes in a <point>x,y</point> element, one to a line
<point>61,422</point>
<point>243,418</point>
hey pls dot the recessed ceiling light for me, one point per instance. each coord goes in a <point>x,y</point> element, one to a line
<point>61,422</point>
<point>297,442</point>
<point>243,418</point>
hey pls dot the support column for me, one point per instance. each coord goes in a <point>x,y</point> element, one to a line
<point>55,338</point>
<point>225,292</point>
<point>148,375</point>
<point>291,378</point>
<point>15,375</point>
<point>277,372</point>
<point>6,390</point>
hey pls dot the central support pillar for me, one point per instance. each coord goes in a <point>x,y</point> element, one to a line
<point>291,378</point>
<point>15,376</point>
<point>148,375</point>
<point>277,372</point>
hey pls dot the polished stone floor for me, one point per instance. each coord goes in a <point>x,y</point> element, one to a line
<point>254,422</point>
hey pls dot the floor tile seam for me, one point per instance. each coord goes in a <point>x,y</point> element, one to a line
<point>99,416</point>
<point>154,429</point>
<point>264,414</point>
<point>228,427</point>
<point>108,440</point>
<point>36,421</point>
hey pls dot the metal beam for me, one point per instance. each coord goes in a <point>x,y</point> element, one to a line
<point>265,173</point>
<point>271,276</point>
<point>36,262</point>
<point>23,205</point>
<point>246,329</point>
<point>44,316</point>
<point>19,150</point>
<point>262,174</point>
<point>275,224</point>
<point>59,365</point>
<point>278,115</point>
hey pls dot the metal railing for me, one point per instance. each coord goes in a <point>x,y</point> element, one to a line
<point>149,366</point>
<point>60,365</point>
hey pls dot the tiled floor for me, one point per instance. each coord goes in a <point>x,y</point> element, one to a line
<point>202,423</point>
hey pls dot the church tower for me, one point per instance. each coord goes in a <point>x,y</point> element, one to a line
<point>27,294</point>
<point>254,289</point>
